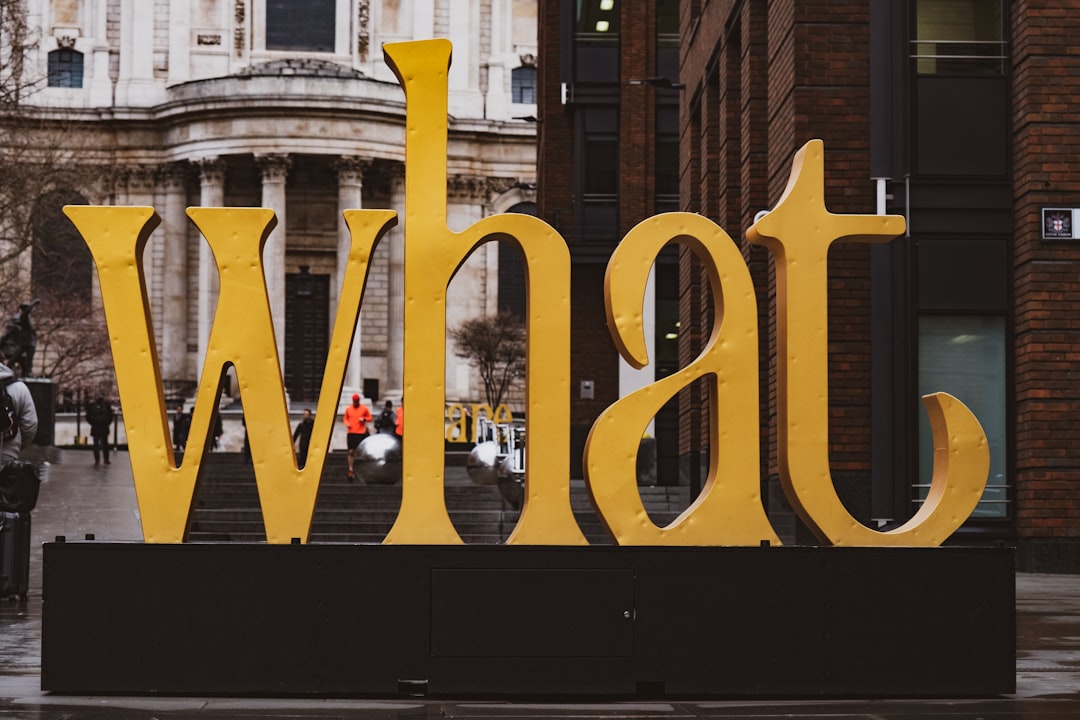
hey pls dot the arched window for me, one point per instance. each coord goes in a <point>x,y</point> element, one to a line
<point>512,270</point>
<point>523,85</point>
<point>61,262</point>
<point>66,68</point>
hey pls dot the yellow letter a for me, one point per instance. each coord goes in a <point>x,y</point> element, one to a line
<point>729,510</point>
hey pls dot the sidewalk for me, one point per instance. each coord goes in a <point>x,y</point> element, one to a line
<point>78,498</point>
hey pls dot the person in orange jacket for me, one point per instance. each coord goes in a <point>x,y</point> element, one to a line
<point>356,418</point>
<point>399,421</point>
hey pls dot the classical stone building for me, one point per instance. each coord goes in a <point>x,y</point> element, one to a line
<point>288,104</point>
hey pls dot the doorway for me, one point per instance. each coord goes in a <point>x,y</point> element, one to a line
<point>307,333</point>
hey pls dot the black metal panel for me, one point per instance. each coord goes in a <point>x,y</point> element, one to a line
<point>964,274</point>
<point>374,620</point>
<point>532,613</point>
<point>962,126</point>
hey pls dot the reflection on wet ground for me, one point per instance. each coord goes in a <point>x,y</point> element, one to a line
<point>78,498</point>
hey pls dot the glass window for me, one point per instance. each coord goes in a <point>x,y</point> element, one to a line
<point>667,20</point>
<point>65,69</point>
<point>601,164</point>
<point>965,357</point>
<point>523,85</point>
<point>667,152</point>
<point>601,156</point>
<point>300,25</point>
<point>598,17</point>
<point>959,37</point>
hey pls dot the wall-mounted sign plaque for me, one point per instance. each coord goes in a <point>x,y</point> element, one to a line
<point>1059,224</point>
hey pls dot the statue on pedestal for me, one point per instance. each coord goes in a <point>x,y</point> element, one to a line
<point>19,341</point>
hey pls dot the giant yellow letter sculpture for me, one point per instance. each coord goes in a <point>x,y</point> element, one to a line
<point>799,232</point>
<point>433,253</point>
<point>729,510</point>
<point>242,336</point>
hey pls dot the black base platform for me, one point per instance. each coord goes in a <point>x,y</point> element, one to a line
<point>360,620</point>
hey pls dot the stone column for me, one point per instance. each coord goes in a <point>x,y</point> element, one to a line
<point>496,103</point>
<point>212,194</point>
<point>395,292</point>
<point>101,87</point>
<point>173,179</point>
<point>467,294</point>
<point>179,41</point>
<point>350,172</point>
<point>274,169</point>
<point>135,85</point>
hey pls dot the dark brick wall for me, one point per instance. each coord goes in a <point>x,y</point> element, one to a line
<point>769,78</point>
<point>593,354</point>
<point>762,79</point>
<point>1046,298</point>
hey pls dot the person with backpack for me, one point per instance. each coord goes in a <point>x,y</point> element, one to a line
<point>18,417</point>
<point>100,416</point>
<point>386,420</point>
<point>19,484</point>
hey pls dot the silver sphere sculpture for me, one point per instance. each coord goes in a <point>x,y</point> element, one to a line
<point>511,483</point>
<point>378,459</point>
<point>481,463</point>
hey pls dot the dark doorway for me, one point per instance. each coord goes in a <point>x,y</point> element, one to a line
<point>307,333</point>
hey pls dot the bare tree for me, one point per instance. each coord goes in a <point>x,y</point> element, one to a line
<point>495,346</point>
<point>45,163</point>
<point>73,346</point>
<point>43,158</point>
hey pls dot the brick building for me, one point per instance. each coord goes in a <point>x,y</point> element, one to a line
<point>956,114</point>
<point>608,108</point>
<point>952,113</point>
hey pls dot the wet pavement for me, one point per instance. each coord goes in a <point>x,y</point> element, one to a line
<point>78,498</point>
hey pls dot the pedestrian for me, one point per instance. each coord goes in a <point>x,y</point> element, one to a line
<point>19,484</point>
<point>219,430</point>
<point>385,422</point>
<point>399,422</point>
<point>181,426</point>
<point>303,435</point>
<point>100,416</point>
<point>356,418</point>
<point>25,427</point>
<point>245,451</point>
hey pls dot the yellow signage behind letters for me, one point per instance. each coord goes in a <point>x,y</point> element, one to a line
<point>729,511</point>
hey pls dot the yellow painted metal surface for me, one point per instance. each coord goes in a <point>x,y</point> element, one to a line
<point>433,253</point>
<point>242,336</point>
<point>729,510</point>
<point>799,232</point>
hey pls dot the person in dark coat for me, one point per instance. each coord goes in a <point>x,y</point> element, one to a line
<point>100,416</point>
<point>181,426</point>
<point>303,435</point>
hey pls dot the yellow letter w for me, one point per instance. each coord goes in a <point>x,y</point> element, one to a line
<point>242,336</point>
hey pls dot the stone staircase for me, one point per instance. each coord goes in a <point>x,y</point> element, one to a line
<point>227,506</point>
